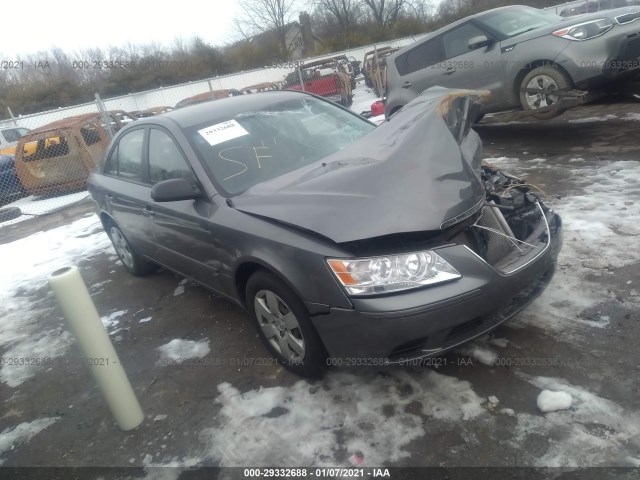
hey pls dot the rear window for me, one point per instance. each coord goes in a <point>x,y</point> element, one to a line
<point>253,147</point>
<point>422,56</point>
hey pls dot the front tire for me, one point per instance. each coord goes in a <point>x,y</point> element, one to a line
<point>134,263</point>
<point>546,80</point>
<point>284,325</point>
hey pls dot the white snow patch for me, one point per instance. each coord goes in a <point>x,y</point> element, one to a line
<point>493,399</point>
<point>595,432</point>
<point>145,320</point>
<point>632,116</point>
<point>111,320</point>
<point>363,97</point>
<point>600,227</point>
<point>508,411</point>
<point>299,425</point>
<point>550,401</point>
<point>484,355</point>
<point>26,263</point>
<point>178,349</point>
<point>593,119</point>
<point>159,418</point>
<point>12,437</point>
<point>499,342</point>
<point>180,289</point>
<point>32,206</point>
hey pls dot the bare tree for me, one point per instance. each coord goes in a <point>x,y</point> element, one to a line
<point>385,12</point>
<point>259,16</point>
<point>345,12</point>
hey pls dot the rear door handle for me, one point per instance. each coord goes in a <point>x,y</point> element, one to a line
<point>449,71</point>
<point>109,196</point>
<point>406,84</point>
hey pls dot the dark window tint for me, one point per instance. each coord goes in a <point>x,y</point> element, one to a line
<point>456,42</point>
<point>12,135</point>
<point>422,56</point>
<point>126,161</point>
<point>165,158</point>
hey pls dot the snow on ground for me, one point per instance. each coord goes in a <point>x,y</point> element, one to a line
<point>111,320</point>
<point>33,206</point>
<point>178,349</point>
<point>593,119</point>
<point>600,231</point>
<point>484,355</point>
<point>26,264</point>
<point>363,97</point>
<point>299,425</point>
<point>595,432</point>
<point>12,437</point>
<point>550,401</point>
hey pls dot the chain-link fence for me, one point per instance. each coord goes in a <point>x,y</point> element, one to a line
<point>46,158</point>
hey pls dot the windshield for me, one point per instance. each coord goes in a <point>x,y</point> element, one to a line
<point>515,21</point>
<point>252,147</point>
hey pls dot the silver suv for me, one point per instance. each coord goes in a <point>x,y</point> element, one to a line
<point>524,56</point>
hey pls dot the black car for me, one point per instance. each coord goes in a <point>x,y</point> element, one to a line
<point>347,244</point>
<point>10,187</point>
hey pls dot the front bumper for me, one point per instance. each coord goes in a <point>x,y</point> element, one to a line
<point>430,321</point>
<point>600,61</point>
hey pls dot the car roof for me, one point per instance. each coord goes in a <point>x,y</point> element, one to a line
<point>449,26</point>
<point>223,109</point>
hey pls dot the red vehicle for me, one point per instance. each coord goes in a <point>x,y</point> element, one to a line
<point>322,78</point>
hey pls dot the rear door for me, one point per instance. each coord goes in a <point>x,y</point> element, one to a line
<point>181,228</point>
<point>127,190</point>
<point>417,66</point>
<point>479,69</point>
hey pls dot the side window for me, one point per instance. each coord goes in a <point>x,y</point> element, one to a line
<point>423,56</point>
<point>165,158</point>
<point>126,159</point>
<point>456,41</point>
<point>11,135</point>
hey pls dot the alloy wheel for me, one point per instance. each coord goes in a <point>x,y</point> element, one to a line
<point>279,325</point>
<point>122,247</point>
<point>543,98</point>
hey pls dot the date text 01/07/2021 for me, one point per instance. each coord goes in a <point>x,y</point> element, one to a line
<point>323,472</point>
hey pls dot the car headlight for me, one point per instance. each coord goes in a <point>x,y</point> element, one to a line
<point>586,30</point>
<point>391,273</point>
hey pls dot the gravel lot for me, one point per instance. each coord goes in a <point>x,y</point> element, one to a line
<point>229,405</point>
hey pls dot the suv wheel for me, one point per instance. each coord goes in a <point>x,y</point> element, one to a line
<point>283,325</point>
<point>134,263</point>
<point>546,80</point>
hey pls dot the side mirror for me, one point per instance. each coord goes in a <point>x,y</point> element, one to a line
<point>173,190</point>
<point>478,42</point>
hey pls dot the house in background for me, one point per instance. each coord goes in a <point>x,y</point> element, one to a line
<point>295,41</point>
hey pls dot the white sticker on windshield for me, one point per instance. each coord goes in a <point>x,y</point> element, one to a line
<point>221,132</point>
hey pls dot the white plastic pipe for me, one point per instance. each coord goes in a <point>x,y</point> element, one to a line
<point>102,359</point>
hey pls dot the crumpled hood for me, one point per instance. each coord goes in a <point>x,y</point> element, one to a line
<point>407,175</point>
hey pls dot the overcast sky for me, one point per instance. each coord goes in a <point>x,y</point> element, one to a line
<point>36,25</point>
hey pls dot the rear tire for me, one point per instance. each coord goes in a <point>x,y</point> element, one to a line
<point>134,263</point>
<point>544,78</point>
<point>284,325</point>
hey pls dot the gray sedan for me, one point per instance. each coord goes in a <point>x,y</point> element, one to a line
<point>347,244</point>
<point>527,58</point>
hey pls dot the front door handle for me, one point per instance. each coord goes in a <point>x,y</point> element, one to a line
<point>109,196</point>
<point>449,71</point>
<point>406,84</point>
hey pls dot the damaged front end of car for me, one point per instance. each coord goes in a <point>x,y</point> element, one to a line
<point>439,248</point>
